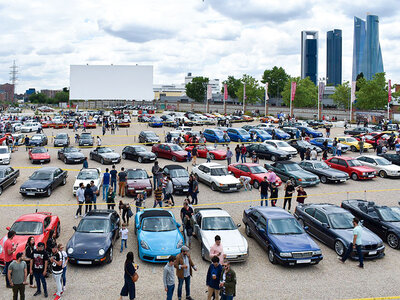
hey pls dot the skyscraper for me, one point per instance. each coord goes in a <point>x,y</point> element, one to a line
<point>309,55</point>
<point>334,57</point>
<point>367,55</point>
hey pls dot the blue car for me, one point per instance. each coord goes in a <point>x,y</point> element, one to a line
<point>238,135</point>
<point>158,235</point>
<point>320,143</point>
<point>310,131</point>
<point>281,235</point>
<point>260,135</point>
<point>156,122</point>
<point>279,134</point>
<point>215,136</point>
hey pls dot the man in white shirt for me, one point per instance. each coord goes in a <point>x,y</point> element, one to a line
<point>313,154</point>
<point>356,244</point>
<point>80,198</point>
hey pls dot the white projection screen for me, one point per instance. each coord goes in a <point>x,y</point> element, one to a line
<point>111,82</point>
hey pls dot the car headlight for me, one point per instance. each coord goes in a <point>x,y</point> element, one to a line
<point>22,189</point>
<point>285,254</point>
<point>70,250</point>
<point>318,252</point>
<point>380,244</point>
<point>144,245</point>
<point>300,179</point>
<point>178,245</point>
<point>364,173</point>
<point>40,190</point>
<point>101,252</point>
<point>221,184</point>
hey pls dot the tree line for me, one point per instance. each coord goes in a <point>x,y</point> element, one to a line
<point>40,98</point>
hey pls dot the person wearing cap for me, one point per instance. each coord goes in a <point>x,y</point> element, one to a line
<point>184,266</point>
<point>56,260</point>
<point>17,273</point>
<point>38,267</point>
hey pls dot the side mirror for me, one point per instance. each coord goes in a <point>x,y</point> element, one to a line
<point>8,228</point>
<point>325,225</point>
<point>305,227</point>
<point>238,225</point>
<point>74,228</point>
<point>262,230</point>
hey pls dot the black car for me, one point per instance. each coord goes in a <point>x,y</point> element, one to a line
<point>303,145</point>
<point>105,155</point>
<point>43,181</point>
<point>85,139</point>
<point>392,157</point>
<point>333,226</point>
<point>179,176</point>
<point>168,120</point>
<point>292,131</point>
<point>38,140</point>
<point>94,238</point>
<point>357,130</point>
<point>248,127</point>
<point>138,153</point>
<point>70,155</point>
<point>61,140</point>
<point>383,220</point>
<point>148,137</point>
<point>8,176</point>
<point>268,152</point>
<point>324,172</point>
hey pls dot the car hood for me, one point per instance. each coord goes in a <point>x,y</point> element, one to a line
<point>5,155</point>
<point>228,179</point>
<point>294,242</point>
<point>232,240</point>
<point>395,225</point>
<point>74,155</point>
<point>110,155</point>
<point>368,237</point>
<point>181,153</point>
<point>146,154</point>
<point>138,183</point>
<point>82,241</point>
<point>60,141</point>
<point>181,181</point>
<point>388,167</point>
<point>303,174</point>
<point>363,169</point>
<point>86,182</point>
<point>165,240</point>
<point>35,184</point>
<point>288,149</point>
<point>332,172</point>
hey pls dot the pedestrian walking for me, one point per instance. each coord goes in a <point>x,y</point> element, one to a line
<point>228,282</point>
<point>264,186</point>
<point>96,192</point>
<point>208,157</point>
<point>356,244</point>
<point>158,197</point>
<point>80,198</point>
<point>38,268</point>
<point>113,174</point>
<point>123,232</point>
<point>26,142</point>
<point>104,129</point>
<point>274,193</point>
<point>237,153</point>
<point>328,132</point>
<point>289,191</point>
<point>121,182</point>
<point>106,184</point>
<point>126,211</point>
<point>139,201</point>
<point>98,141</point>
<point>169,190</point>
<point>16,274</point>
<point>64,265</point>
<point>229,155</point>
<point>184,266</point>
<point>88,198</point>
<point>301,194</point>
<point>111,198</point>
<point>28,255</point>
<point>129,275</point>
<point>254,158</point>
<point>56,261</point>
<point>169,277</point>
<point>243,152</point>
<point>9,249</point>
<point>194,155</point>
<point>213,278</point>
<point>218,250</point>
<point>85,164</point>
<point>157,173</point>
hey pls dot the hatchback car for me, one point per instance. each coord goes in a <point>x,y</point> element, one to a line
<point>238,135</point>
<point>179,176</point>
<point>352,166</point>
<point>105,155</point>
<point>39,155</point>
<point>71,155</point>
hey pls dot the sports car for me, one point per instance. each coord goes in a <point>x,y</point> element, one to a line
<point>70,155</point>
<point>259,134</point>
<point>202,151</point>
<point>310,131</point>
<point>105,155</point>
<point>267,151</point>
<point>279,134</point>
<point>169,151</point>
<point>320,143</point>
<point>61,140</point>
<point>43,181</point>
<point>138,181</point>
<point>353,143</point>
<point>38,140</point>
<point>179,176</point>
<point>148,137</point>
<point>324,172</point>
<point>85,139</point>
<point>139,153</point>
<point>254,171</point>
<point>90,124</point>
<point>39,155</point>
<point>86,176</point>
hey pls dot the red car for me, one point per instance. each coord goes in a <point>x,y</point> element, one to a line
<point>203,149</point>
<point>90,124</point>
<point>58,124</point>
<point>37,225</point>
<point>352,166</point>
<point>47,124</point>
<point>3,138</point>
<point>39,155</point>
<point>138,181</point>
<point>189,134</point>
<point>169,151</point>
<point>254,171</point>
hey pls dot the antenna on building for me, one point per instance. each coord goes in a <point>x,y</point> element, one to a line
<point>14,76</point>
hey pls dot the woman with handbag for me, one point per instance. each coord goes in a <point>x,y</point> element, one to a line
<point>130,277</point>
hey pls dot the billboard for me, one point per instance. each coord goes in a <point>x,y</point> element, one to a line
<point>111,82</point>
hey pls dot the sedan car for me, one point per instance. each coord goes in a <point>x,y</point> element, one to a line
<point>38,140</point>
<point>382,220</point>
<point>139,153</point>
<point>158,235</point>
<point>138,181</point>
<point>279,233</point>
<point>94,238</point>
<point>282,145</point>
<point>169,151</point>
<point>394,158</point>
<point>105,155</point>
<point>61,140</point>
<point>333,226</point>
<point>301,145</point>
<point>39,155</point>
<point>43,181</point>
<point>291,170</point>
<point>70,155</point>
<point>209,222</point>
<point>5,155</point>
<point>216,176</point>
<point>148,137</point>
<point>202,150</point>
<point>37,225</point>
<point>311,132</point>
<point>292,131</point>
<point>179,176</point>
<point>30,127</point>
<point>86,176</point>
<point>254,171</point>
<point>325,173</point>
<point>8,176</point>
<point>267,151</point>
<point>320,142</point>
<point>357,130</point>
<point>216,136</point>
<point>352,166</point>
<point>278,133</point>
<point>353,143</point>
<point>382,166</point>
<point>238,135</point>
<point>86,139</point>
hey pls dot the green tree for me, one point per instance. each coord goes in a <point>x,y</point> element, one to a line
<point>342,94</point>
<point>197,89</point>
<point>306,93</point>
<point>38,98</point>
<point>276,78</point>
<point>254,93</point>
<point>61,97</point>
<point>233,85</point>
<point>373,94</point>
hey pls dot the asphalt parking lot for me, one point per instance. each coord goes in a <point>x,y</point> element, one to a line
<point>257,278</point>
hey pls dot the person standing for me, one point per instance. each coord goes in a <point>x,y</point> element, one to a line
<point>271,177</point>
<point>39,268</point>
<point>229,155</point>
<point>334,146</point>
<point>125,208</point>
<point>217,250</point>
<point>169,190</point>
<point>314,154</point>
<point>64,265</point>
<point>274,193</point>
<point>113,174</point>
<point>28,255</point>
<point>80,198</point>
<point>85,164</point>
<point>56,260</point>
<point>26,142</point>
<point>169,277</point>
<point>243,152</point>
<point>106,184</point>
<point>289,191</point>
<point>88,198</point>
<point>339,149</point>
<point>301,194</point>
<point>157,173</point>
<point>195,191</point>
<point>188,228</point>
<point>121,182</point>
<point>361,145</point>
<point>328,132</point>
<point>96,192</point>
<point>9,249</point>
<point>228,282</point>
<point>264,186</point>
<point>184,266</point>
<point>213,278</point>
<point>111,198</point>
<point>98,141</point>
<point>356,244</point>
<point>129,272</point>
<point>16,274</point>
<point>302,153</point>
<point>158,197</point>
<point>237,153</point>
<point>194,155</point>
<point>124,236</point>
<point>308,154</point>
<point>325,154</point>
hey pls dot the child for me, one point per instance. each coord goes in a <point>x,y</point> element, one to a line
<point>208,157</point>
<point>124,236</point>
<point>139,201</point>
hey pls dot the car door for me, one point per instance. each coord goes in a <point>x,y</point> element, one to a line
<point>342,166</point>
<point>322,227</point>
<point>252,220</point>
<point>46,229</point>
<point>167,152</point>
<point>9,177</point>
<point>281,171</point>
<point>245,171</point>
<point>262,151</point>
<point>206,174</point>
<point>307,216</point>
<point>57,178</point>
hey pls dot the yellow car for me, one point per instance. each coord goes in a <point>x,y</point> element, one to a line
<point>353,143</point>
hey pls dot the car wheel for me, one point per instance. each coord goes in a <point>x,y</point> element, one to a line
<point>65,160</point>
<point>140,159</point>
<point>48,192</point>
<point>203,252</point>
<point>273,157</point>
<point>173,158</point>
<point>213,186</point>
<point>393,240</point>
<point>323,179</point>
<point>123,155</point>
<point>353,148</point>
<point>271,256</point>
<point>102,161</point>
<point>354,176</point>
<point>382,174</point>
<point>58,230</point>
<point>339,248</point>
<point>110,255</point>
<point>256,184</point>
<point>247,230</point>
<point>64,181</point>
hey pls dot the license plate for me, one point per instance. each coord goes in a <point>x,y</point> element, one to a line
<point>303,261</point>
<point>85,144</point>
<point>152,158</point>
<point>342,180</point>
<point>232,189</point>
<point>77,160</point>
<point>162,256</point>
<point>115,160</point>
<point>84,262</point>
<point>231,256</point>
<point>370,176</point>
<point>185,190</point>
<point>30,193</point>
<point>139,191</point>
<point>372,252</point>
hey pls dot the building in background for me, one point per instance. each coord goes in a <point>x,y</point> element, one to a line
<point>309,55</point>
<point>367,54</point>
<point>168,90</point>
<point>50,93</point>
<point>7,91</point>
<point>334,57</point>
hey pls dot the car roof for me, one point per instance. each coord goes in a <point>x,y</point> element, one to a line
<point>248,164</point>
<point>102,213</point>
<point>48,169</point>
<point>286,162</point>
<point>171,167</point>
<point>212,165</point>
<point>39,216</point>
<point>213,212</point>
<point>273,212</point>
<point>344,157</point>
<point>328,207</point>
<point>154,212</point>
<point>370,156</point>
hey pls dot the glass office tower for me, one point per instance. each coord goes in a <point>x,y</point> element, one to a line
<point>309,55</point>
<point>334,57</point>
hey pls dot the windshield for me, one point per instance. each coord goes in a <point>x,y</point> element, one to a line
<point>219,172</point>
<point>38,175</point>
<point>218,223</point>
<point>292,167</point>
<point>242,132</point>
<point>278,131</point>
<point>140,149</point>
<point>86,136</point>
<point>150,134</point>
<point>4,150</point>
<point>94,226</point>
<point>321,165</point>
<point>380,161</point>
<point>176,148</point>
<point>258,170</point>
<point>69,150</point>
<point>354,163</point>
<point>341,220</point>
<point>88,175</point>
<point>137,174</point>
<point>158,224</point>
<point>388,214</point>
<point>176,173</point>
<point>282,144</point>
<point>39,150</point>
<point>284,226</point>
<point>219,132</point>
<point>104,150</point>
<point>351,140</point>
<point>61,136</point>
<point>27,228</point>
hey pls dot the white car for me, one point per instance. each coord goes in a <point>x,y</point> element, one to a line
<point>174,135</point>
<point>383,167</point>
<point>5,155</point>
<point>16,126</point>
<point>86,176</point>
<point>209,222</point>
<point>266,125</point>
<point>183,129</point>
<point>30,127</point>
<point>217,176</point>
<point>282,145</point>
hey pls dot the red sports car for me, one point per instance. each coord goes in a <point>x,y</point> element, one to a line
<point>189,134</point>
<point>58,124</point>
<point>37,225</point>
<point>47,124</point>
<point>352,166</point>
<point>203,149</point>
<point>138,181</point>
<point>3,138</point>
<point>169,151</point>
<point>254,171</point>
<point>90,124</point>
<point>39,155</point>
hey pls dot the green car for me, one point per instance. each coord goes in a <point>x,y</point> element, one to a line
<point>291,170</point>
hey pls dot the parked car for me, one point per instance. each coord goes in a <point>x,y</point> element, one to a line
<point>333,226</point>
<point>158,235</point>
<point>282,145</point>
<point>71,155</point>
<point>38,155</point>
<point>320,143</point>
<point>357,130</point>
<point>247,127</point>
<point>202,150</point>
<point>281,235</point>
<point>38,140</point>
<point>86,139</point>
<point>179,176</point>
<point>8,176</point>
<point>43,181</point>
<point>238,135</point>
<point>169,151</point>
<point>215,136</point>
<point>382,166</point>
<point>394,158</point>
<point>382,220</point>
<point>5,155</point>
<point>310,131</point>
<point>30,127</point>
<point>279,134</point>
<point>291,170</point>
<point>94,238</point>
<point>300,145</point>
<point>209,222</point>
<point>353,143</point>
<point>61,140</point>
<point>139,153</point>
<point>148,137</point>
<point>217,177</point>
<point>260,135</point>
<point>155,122</point>
<point>352,166</point>
<point>292,131</point>
<point>105,155</point>
<point>267,151</point>
<point>254,171</point>
<point>90,124</point>
<point>325,173</point>
<point>138,181</point>
<point>85,176</point>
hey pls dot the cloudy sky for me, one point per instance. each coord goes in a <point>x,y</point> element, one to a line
<point>214,38</point>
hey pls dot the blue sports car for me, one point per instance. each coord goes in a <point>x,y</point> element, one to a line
<point>279,134</point>
<point>158,235</point>
<point>260,135</point>
<point>319,141</point>
<point>310,131</point>
<point>156,122</point>
<point>281,235</point>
